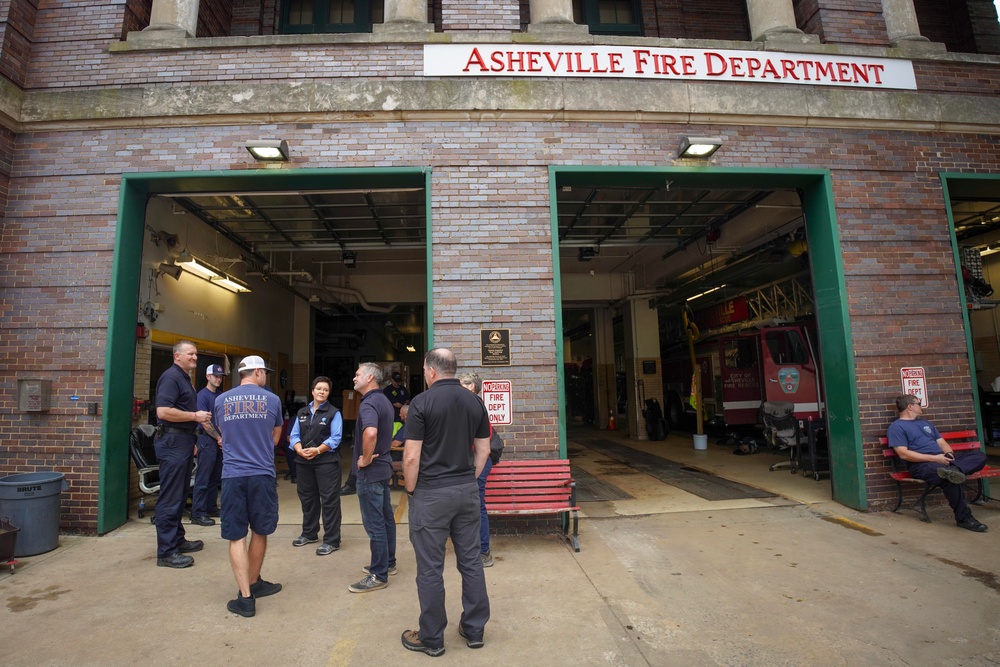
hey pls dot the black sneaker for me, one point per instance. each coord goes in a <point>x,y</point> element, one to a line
<point>951,474</point>
<point>190,546</point>
<point>202,521</point>
<point>970,523</point>
<point>245,607</point>
<point>302,540</point>
<point>411,640</point>
<point>471,641</point>
<point>176,560</point>
<point>326,549</point>
<point>261,588</point>
<point>348,490</point>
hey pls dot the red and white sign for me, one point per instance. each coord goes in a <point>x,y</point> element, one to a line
<point>914,382</point>
<point>641,62</point>
<point>497,396</point>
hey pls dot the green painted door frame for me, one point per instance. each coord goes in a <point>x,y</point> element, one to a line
<point>119,362</point>
<point>950,182</point>
<point>828,279</point>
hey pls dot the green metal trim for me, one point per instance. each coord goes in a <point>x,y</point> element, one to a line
<point>966,320</point>
<point>557,301</point>
<point>831,303</point>
<point>126,277</point>
<point>428,234</point>
<point>836,345</point>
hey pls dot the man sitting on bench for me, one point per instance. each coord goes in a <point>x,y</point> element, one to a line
<point>929,457</point>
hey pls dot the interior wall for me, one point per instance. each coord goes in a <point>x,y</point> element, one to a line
<point>985,339</point>
<point>263,319</point>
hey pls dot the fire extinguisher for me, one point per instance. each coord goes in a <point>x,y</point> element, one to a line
<point>138,405</point>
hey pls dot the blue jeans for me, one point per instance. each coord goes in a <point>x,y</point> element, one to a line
<point>380,524</point>
<point>484,520</point>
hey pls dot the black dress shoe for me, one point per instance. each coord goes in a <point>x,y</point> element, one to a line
<point>189,546</point>
<point>175,560</point>
<point>970,523</point>
<point>348,491</point>
<point>202,521</point>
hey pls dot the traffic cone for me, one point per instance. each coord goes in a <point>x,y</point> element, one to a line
<point>611,422</point>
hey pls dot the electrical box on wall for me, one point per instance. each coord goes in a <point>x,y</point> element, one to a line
<point>34,395</point>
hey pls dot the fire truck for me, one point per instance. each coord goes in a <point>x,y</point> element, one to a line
<point>745,361</point>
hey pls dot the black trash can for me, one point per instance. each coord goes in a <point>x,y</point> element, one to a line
<point>32,501</point>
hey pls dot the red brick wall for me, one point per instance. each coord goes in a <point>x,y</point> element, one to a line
<point>715,19</point>
<point>477,15</point>
<point>946,21</point>
<point>215,18</point>
<point>17,24</point>
<point>136,16</point>
<point>843,22</point>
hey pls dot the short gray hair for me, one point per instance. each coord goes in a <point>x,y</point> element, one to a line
<point>473,379</point>
<point>373,369</point>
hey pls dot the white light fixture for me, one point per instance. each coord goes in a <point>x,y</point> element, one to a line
<point>699,147</point>
<point>708,291</point>
<point>989,250</point>
<point>268,150</point>
<point>197,267</point>
<point>206,271</point>
<point>232,284</point>
<point>410,348</point>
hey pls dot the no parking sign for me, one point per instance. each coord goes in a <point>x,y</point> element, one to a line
<point>497,396</point>
<point>915,383</point>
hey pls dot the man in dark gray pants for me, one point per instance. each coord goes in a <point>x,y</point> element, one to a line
<point>447,444</point>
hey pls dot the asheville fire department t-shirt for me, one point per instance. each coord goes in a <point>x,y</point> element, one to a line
<point>247,416</point>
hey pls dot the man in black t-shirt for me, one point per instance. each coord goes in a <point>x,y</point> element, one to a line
<point>447,444</point>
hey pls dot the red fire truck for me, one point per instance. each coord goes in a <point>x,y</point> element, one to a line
<point>740,369</point>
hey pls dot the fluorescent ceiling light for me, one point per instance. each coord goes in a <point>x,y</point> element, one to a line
<point>198,267</point>
<point>231,284</point>
<point>410,348</point>
<point>708,291</point>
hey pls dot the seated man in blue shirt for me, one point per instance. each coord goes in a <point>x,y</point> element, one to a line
<point>929,457</point>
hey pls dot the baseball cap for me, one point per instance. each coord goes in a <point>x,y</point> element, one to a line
<point>397,376</point>
<point>215,369</point>
<point>253,362</point>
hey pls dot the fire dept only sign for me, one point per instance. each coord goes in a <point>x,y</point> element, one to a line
<point>914,382</point>
<point>497,396</point>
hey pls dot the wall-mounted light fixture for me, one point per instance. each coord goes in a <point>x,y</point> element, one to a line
<point>206,271</point>
<point>268,150</point>
<point>350,260</point>
<point>171,270</point>
<point>699,147</point>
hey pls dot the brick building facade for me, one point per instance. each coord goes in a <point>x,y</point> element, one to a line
<point>102,113</point>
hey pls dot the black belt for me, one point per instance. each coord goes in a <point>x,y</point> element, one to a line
<point>174,429</point>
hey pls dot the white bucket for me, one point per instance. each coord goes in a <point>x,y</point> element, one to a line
<point>700,441</point>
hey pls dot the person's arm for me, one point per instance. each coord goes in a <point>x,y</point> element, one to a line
<point>175,415</point>
<point>908,454</point>
<point>411,463</point>
<point>946,449</point>
<point>482,448</point>
<point>276,435</point>
<point>368,438</point>
<point>293,437</point>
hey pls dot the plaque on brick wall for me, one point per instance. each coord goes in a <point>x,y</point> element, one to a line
<point>495,347</point>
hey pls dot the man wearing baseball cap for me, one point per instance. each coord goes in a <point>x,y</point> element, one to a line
<point>208,474</point>
<point>250,418</point>
<point>397,394</point>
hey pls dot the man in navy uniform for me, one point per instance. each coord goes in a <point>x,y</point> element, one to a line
<point>397,394</point>
<point>178,417</point>
<point>208,474</point>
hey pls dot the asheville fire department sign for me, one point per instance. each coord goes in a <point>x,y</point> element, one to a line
<point>634,62</point>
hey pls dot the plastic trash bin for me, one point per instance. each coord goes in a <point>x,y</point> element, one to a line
<point>32,501</point>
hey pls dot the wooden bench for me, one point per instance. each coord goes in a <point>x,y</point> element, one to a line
<point>960,441</point>
<point>534,487</point>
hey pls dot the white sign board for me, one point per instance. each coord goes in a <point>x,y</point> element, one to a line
<point>914,382</point>
<point>666,64</point>
<point>497,396</point>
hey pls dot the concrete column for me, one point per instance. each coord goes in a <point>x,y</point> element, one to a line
<point>642,362</point>
<point>605,396</point>
<point>174,15</point>
<point>773,20</point>
<point>901,21</point>
<point>553,16</point>
<point>404,16</point>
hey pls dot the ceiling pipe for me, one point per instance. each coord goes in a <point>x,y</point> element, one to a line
<point>360,297</point>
